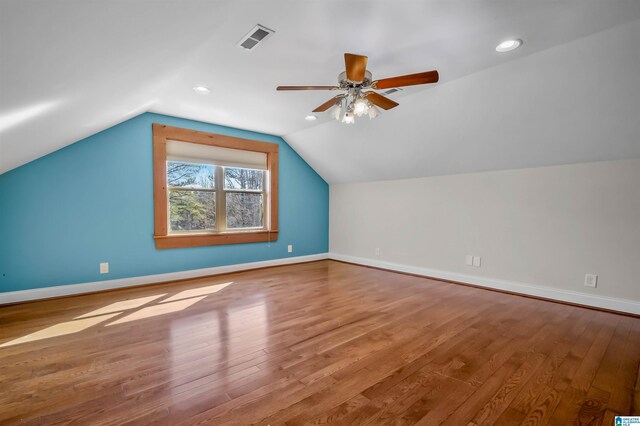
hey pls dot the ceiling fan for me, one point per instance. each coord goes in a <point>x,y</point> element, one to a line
<point>360,97</point>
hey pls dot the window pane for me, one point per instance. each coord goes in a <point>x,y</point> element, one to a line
<point>244,210</point>
<point>190,175</point>
<point>243,179</point>
<point>192,210</point>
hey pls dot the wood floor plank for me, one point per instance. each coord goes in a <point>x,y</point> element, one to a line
<point>568,409</point>
<point>501,400</point>
<point>317,343</point>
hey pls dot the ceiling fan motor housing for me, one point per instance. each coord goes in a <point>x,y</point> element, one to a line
<point>345,83</point>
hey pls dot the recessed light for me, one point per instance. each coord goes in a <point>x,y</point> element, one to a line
<point>311,118</point>
<point>508,45</point>
<point>202,90</point>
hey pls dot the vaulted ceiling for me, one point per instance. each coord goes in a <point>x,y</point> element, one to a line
<point>70,69</point>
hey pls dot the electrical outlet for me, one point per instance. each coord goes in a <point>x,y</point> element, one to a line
<point>591,280</point>
<point>290,248</point>
<point>477,261</point>
<point>104,268</point>
<point>377,251</point>
<point>469,260</point>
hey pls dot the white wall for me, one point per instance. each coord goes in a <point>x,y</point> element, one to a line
<point>544,227</point>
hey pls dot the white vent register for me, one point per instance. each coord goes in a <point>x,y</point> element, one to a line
<point>390,91</point>
<point>254,37</point>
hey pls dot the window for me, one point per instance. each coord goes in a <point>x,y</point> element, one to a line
<point>192,197</point>
<point>213,189</point>
<point>194,205</point>
<point>243,198</point>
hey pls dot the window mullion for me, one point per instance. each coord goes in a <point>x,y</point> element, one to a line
<point>221,200</point>
<point>265,202</point>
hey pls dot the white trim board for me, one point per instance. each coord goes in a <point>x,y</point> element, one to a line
<point>66,290</point>
<point>622,305</point>
<point>614,304</point>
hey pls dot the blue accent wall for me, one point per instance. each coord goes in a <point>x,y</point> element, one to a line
<point>92,202</point>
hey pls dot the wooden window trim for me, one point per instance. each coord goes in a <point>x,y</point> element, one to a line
<point>164,240</point>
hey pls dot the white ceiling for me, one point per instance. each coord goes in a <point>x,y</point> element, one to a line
<point>69,69</point>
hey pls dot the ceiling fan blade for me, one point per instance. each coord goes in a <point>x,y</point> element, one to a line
<point>381,101</point>
<point>407,80</point>
<point>307,88</point>
<point>355,65</point>
<point>331,102</point>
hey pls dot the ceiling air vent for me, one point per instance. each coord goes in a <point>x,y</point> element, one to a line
<point>391,91</point>
<point>254,37</point>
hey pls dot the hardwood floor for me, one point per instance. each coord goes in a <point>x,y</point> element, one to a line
<point>315,343</point>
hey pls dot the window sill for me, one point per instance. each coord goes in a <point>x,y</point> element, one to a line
<point>198,240</point>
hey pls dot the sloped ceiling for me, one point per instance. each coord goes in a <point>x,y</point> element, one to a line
<point>69,69</point>
<point>574,103</point>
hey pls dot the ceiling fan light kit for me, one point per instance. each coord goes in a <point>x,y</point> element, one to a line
<point>361,97</point>
<point>353,104</point>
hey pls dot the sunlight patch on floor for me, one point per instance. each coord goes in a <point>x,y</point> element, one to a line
<point>175,303</point>
<point>124,305</point>
<point>197,292</point>
<point>61,329</point>
<point>161,309</point>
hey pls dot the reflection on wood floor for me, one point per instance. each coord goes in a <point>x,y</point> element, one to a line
<point>315,343</point>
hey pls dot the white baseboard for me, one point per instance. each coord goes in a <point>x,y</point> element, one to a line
<point>621,305</point>
<point>66,290</point>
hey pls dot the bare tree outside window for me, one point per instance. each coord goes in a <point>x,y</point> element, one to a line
<point>192,198</point>
<point>245,203</point>
<point>247,179</point>
<point>194,204</point>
